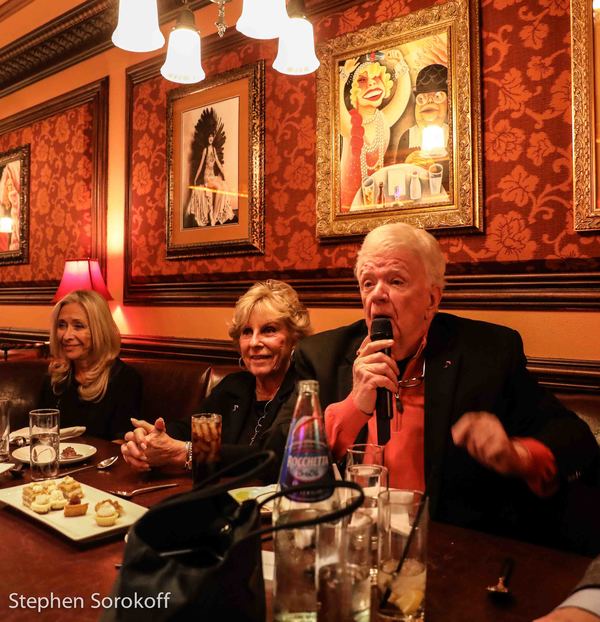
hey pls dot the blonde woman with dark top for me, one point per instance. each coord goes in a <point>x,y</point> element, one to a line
<point>87,381</point>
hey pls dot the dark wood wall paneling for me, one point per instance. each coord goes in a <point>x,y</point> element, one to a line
<point>557,374</point>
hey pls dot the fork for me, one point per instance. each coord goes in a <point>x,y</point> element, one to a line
<point>127,494</point>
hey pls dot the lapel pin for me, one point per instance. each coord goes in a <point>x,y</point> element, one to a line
<point>447,364</point>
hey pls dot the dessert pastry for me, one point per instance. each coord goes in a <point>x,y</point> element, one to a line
<point>31,491</point>
<point>68,453</point>
<point>71,487</point>
<point>57,499</point>
<point>107,513</point>
<point>74,507</point>
<point>41,504</point>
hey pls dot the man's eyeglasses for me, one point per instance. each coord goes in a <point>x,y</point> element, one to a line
<point>436,97</point>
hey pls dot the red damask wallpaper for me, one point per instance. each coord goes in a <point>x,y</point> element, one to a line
<point>60,194</point>
<point>527,172</point>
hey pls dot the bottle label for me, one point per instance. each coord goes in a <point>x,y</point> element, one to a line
<point>307,467</point>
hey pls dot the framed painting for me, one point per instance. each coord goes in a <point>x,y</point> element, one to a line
<point>399,124</point>
<point>14,206</point>
<point>215,161</point>
<point>585,81</point>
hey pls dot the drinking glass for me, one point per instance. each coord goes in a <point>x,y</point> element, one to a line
<point>364,453</point>
<point>435,178</point>
<point>44,443</point>
<point>368,190</point>
<point>4,429</point>
<point>343,563</point>
<point>206,445</point>
<point>402,558</point>
<point>374,479</point>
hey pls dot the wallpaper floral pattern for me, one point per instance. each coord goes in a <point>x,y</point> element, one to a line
<point>527,168</point>
<point>60,194</point>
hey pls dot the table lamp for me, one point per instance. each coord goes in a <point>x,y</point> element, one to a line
<point>81,274</point>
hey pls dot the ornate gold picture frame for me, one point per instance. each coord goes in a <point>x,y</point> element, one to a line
<point>585,82</point>
<point>215,162</point>
<point>14,206</point>
<point>399,125</point>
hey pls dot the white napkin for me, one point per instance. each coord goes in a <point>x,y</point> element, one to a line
<point>268,564</point>
<point>4,466</point>
<point>65,433</point>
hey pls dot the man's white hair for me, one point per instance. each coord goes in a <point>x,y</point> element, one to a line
<point>389,238</point>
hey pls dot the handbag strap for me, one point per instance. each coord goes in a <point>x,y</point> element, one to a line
<point>262,458</point>
<point>311,522</point>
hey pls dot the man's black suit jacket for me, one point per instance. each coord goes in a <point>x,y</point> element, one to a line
<point>469,366</point>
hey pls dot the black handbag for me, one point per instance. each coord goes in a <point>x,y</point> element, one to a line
<point>197,555</point>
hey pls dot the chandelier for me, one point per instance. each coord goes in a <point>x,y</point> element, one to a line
<point>138,31</point>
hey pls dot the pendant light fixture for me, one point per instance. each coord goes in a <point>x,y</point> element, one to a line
<point>296,54</point>
<point>262,19</point>
<point>137,29</point>
<point>184,58</point>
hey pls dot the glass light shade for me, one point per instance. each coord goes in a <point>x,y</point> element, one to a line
<point>5,224</point>
<point>262,19</point>
<point>296,54</point>
<point>81,274</point>
<point>137,29</point>
<point>433,141</point>
<point>184,62</point>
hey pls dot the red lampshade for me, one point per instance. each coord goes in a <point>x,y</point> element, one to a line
<point>81,274</point>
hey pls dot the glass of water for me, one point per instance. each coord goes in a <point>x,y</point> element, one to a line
<point>373,478</point>
<point>44,443</point>
<point>342,564</point>
<point>4,429</point>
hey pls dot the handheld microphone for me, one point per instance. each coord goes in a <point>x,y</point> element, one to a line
<point>381,328</point>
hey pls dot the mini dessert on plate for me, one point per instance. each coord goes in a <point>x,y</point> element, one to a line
<point>41,504</point>
<point>57,499</point>
<point>31,491</point>
<point>74,507</point>
<point>71,487</point>
<point>107,512</point>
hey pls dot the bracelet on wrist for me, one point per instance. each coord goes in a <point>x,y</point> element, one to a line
<point>189,455</point>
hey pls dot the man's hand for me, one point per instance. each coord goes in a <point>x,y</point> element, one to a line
<point>569,614</point>
<point>372,369</point>
<point>484,437</point>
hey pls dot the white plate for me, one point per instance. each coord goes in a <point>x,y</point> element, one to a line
<point>254,492</point>
<point>78,528</point>
<point>85,451</point>
<point>65,433</point>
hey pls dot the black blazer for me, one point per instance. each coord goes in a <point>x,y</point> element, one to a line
<point>469,365</point>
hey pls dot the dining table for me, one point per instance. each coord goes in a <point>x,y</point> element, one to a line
<point>38,562</point>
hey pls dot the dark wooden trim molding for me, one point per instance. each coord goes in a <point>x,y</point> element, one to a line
<point>12,6</point>
<point>565,375</point>
<point>67,40</point>
<point>96,94</point>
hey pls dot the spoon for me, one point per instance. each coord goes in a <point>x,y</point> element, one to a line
<point>103,464</point>
<point>501,588</point>
<point>127,494</point>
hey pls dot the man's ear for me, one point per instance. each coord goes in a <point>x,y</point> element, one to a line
<point>435,296</point>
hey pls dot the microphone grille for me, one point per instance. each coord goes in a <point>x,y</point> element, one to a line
<point>381,328</point>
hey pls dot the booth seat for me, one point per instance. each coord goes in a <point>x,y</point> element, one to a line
<point>174,389</point>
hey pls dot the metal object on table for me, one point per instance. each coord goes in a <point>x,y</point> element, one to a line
<point>139,491</point>
<point>103,464</point>
<point>501,588</point>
